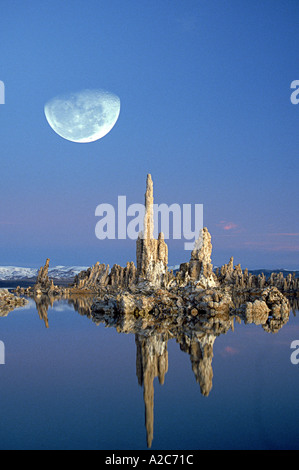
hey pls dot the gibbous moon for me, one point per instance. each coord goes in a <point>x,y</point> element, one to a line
<point>84,116</point>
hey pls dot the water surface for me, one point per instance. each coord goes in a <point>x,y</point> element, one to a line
<point>75,382</point>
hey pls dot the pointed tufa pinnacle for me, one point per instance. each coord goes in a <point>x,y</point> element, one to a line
<point>200,266</point>
<point>152,254</point>
<point>149,209</point>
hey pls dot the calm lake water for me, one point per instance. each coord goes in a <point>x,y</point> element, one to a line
<point>72,382</point>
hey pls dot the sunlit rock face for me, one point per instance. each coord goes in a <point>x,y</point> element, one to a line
<point>200,265</point>
<point>93,278</point>
<point>124,277</point>
<point>43,282</point>
<point>234,276</point>
<point>199,271</point>
<point>43,285</point>
<point>151,254</point>
<point>100,277</point>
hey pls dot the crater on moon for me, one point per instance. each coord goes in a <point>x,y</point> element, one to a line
<point>84,116</point>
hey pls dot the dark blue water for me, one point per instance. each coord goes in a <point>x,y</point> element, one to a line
<point>76,385</point>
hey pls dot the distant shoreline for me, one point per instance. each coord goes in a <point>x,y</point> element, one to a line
<point>13,283</point>
<point>30,282</point>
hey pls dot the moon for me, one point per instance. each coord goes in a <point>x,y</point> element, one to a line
<point>84,116</point>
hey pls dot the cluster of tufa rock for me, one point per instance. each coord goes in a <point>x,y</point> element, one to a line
<point>195,289</point>
<point>234,276</point>
<point>152,262</point>
<point>9,302</point>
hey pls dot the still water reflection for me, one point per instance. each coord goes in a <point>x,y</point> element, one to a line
<point>196,337</point>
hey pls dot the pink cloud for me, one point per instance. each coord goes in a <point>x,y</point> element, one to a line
<point>230,226</point>
<point>229,351</point>
<point>225,225</point>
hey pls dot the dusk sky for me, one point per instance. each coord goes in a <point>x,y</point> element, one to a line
<point>205,95</point>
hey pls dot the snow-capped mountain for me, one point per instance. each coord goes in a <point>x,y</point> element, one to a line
<point>13,273</point>
<point>10,273</point>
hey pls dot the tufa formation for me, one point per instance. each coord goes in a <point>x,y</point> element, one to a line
<point>196,289</point>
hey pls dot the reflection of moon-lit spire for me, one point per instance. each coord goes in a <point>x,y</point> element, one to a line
<point>151,362</point>
<point>81,304</point>
<point>42,305</point>
<point>200,349</point>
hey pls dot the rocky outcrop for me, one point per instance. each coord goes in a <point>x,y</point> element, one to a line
<point>151,254</point>
<point>43,283</point>
<point>288,284</point>
<point>267,307</point>
<point>150,289</point>
<point>199,270</point>
<point>123,277</point>
<point>9,302</point>
<point>234,276</point>
<point>93,278</point>
<point>152,272</point>
<point>200,266</point>
<point>100,277</point>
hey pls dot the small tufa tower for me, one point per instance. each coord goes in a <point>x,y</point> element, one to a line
<point>151,254</point>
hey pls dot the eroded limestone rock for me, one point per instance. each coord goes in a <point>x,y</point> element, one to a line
<point>151,254</point>
<point>199,270</point>
<point>9,302</point>
<point>93,278</point>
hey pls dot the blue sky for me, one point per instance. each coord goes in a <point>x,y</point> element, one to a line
<point>205,108</point>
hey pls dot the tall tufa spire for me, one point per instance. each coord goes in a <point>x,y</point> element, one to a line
<point>152,254</point>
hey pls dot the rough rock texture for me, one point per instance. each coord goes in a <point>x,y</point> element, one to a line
<point>267,307</point>
<point>9,302</point>
<point>200,265</point>
<point>199,270</point>
<point>93,278</point>
<point>43,285</point>
<point>151,254</point>
<point>100,277</point>
<point>123,277</point>
<point>214,301</point>
<point>43,282</point>
<point>232,275</point>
